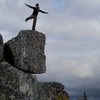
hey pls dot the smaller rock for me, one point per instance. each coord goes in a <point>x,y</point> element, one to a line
<point>1,48</point>
<point>56,90</point>
<point>56,85</point>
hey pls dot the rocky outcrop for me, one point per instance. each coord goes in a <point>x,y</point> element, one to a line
<point>27,51</point>
<point>22,57</point>
<point>1,48</point>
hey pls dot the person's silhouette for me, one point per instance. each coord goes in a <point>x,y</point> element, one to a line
<point>36,10</point>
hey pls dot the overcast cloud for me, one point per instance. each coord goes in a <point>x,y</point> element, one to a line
<point>72,49</point>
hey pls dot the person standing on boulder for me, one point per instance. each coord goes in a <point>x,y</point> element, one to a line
<point>36,10</point>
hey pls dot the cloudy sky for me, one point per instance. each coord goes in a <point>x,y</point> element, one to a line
<point>72,30</point>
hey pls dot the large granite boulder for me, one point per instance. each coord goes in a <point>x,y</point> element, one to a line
<point>1,48</point>
<point>17,84</point>
<point>26,52</point>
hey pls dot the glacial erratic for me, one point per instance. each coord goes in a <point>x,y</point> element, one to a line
<point>27,51</point>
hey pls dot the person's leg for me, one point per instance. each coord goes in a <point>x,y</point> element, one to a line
<point>30,17</point>
<point>34,23</point>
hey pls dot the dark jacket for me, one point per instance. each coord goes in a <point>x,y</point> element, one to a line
<point>36,10</point>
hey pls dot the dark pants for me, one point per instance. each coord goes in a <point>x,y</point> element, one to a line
<point>34,21</point>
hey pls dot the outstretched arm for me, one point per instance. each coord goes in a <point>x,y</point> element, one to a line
<point>43,11</point>
<point>29,6</point>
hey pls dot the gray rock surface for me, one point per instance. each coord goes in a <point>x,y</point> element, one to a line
<point>56,90</point>
<point>1,48</point>
<point>17,83</point>
<point>27,50</point>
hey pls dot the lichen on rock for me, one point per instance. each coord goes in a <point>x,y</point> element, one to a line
<point>56,90</point>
